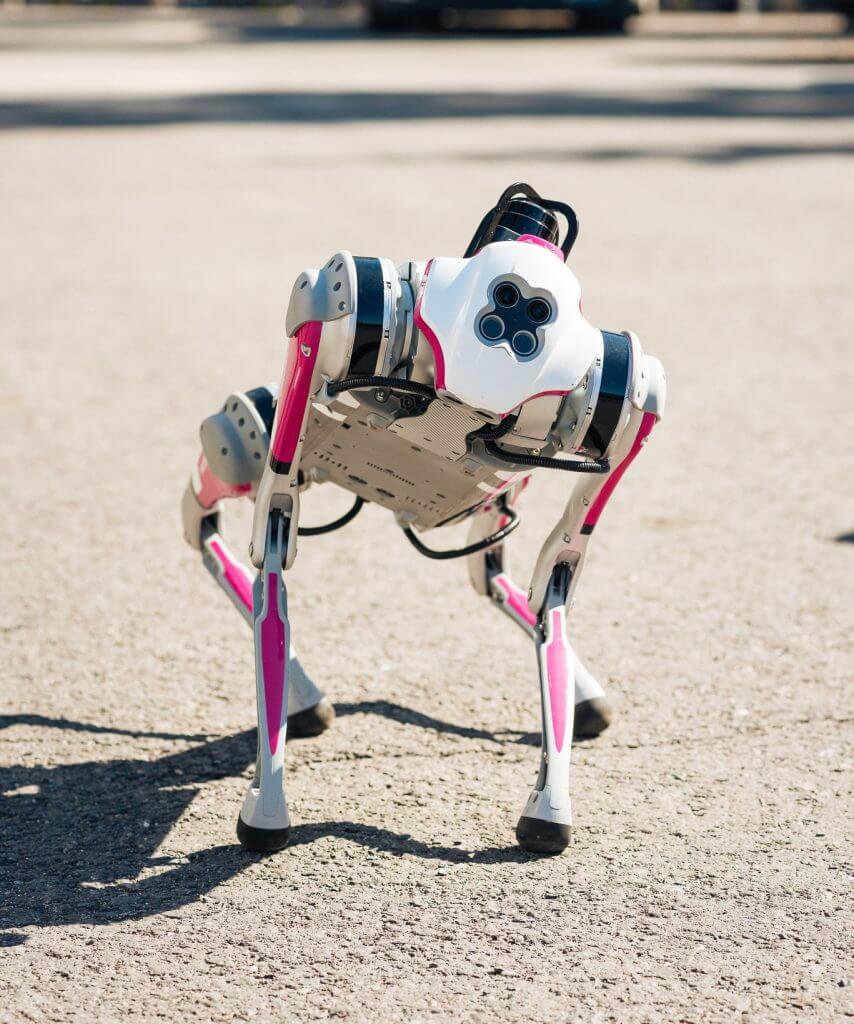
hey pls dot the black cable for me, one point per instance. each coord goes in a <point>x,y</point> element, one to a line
<point>489,436</point>
<point>471,549</point>
<point>499,430</point>
<point>412,387</point>
<point>336,524</point>
<point>544,461</point>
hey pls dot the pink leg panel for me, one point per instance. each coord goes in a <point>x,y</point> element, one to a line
<point>516,599</point>
<point>273,661</point>
<point>557,670</point>
<point>296,385</point>
<point>212,489</point>
<point>601,499</point>
<point>235,575</point>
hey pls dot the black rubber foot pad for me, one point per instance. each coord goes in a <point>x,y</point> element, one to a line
<point>311,722</point>
<point>262,840</point>
<point>592,717</point>
<point>542,836</point>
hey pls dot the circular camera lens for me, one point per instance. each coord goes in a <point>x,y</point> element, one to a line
<point>524,343</point>
<point>507,295</point>
<point>539,310</point>
<point>492,327</point>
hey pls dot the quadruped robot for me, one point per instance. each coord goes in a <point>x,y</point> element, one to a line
<point>432,389</point>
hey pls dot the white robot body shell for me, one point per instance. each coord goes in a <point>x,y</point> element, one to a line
<point>490,377</point>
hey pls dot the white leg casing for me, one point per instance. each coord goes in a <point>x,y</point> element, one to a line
<point>547,816</point>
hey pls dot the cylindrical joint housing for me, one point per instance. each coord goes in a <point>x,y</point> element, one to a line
<point>383,321</point>
<point>593,414</point>
<point>365,309</point>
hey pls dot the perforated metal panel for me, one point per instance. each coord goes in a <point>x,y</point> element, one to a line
<point>417,466</point>
<point>442,430</point>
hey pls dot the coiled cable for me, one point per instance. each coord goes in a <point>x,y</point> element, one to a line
<point>412,387</point>
<point>490,435</point>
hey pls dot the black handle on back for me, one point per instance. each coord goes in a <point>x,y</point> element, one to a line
<point>513,216</point>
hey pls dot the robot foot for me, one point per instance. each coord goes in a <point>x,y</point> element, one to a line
<point>262,840</point>
<point>592,717</point>
<point>311,721</point>
<point>539,836</point>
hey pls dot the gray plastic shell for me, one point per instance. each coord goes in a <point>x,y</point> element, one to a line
<point>323,295</point>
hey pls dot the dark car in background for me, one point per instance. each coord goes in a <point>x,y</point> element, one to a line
<point>603,16</point>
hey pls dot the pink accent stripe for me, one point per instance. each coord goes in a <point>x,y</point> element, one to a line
<point>516,599</point>
<point>543,243</point>
<point>296,384</point>
<point>212,489</point>
<point>557,671</point>
<point>601,499</point>
<point>429,333</point>
<point>273,665</point>
<point>235,575</point>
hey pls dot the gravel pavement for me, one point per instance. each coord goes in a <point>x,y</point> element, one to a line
<point>163,178</point>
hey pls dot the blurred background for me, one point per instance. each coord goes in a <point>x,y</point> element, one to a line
<point>596,16</point>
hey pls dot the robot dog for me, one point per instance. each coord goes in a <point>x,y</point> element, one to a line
<point>432,389</point>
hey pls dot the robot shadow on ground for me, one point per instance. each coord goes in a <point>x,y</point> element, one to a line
<point>406,716</point>
<point>830,100</point>
<point>79,836</point>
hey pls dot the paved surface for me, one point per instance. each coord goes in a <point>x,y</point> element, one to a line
<point>163,179</point>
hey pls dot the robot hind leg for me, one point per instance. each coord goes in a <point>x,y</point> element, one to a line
<point>489,575</point>
<point>309,712</point>
<point>234,441</point>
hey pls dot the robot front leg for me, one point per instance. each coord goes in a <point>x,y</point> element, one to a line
<point>264,824</point>
<point>544,825</point>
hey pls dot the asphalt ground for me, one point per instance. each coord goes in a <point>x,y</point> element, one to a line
<point>163,178</point>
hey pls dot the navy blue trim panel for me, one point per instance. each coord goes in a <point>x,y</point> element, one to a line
<point>262,399</point>
<point>616,367</point>
<point>370,303</point>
